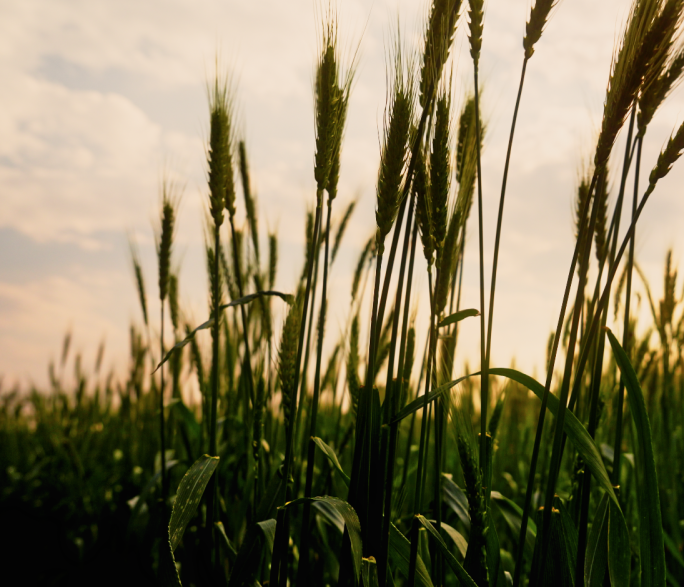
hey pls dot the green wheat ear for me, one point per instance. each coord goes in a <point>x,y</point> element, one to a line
<point>440,171</point>
<point>287,358</point>
<point>169,214</point>
<point>539,14</point>
<point>438,38</point>
<point>475,26</point>
<point>394,152</point>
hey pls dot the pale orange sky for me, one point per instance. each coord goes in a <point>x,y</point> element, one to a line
<point>98,98</point>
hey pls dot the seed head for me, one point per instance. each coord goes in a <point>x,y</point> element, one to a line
<point>440,171</point>
<point>165,237</point>
<point>535,26</point>
<point>421,189</point>
<point>438,38</point>
<point>476,16</point>
<point>287,358</point>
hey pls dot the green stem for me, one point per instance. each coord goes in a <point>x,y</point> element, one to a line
<point>422,449</point>
<point>213,450</point>
<point>497,240</point>
<point>393,392</point>
<point>162,426</point>
<point>625,334</point>
<point>584,239</point>
<point>484,377</point>
<point>542,410</point>
<point>304,545</point>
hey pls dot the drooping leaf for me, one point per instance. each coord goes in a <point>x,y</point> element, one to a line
<point>351,521</point>
<point>456,567</point>
<point>512,513</point>
<point>455,498</point>
<point>332,457</point>
<point>619,553</point>
<point>400,555</point>
<point>458,316</point>
<point>651,541</point>
<point>596,560</point>
<point>369,572</point>
<point>209,323</point>
<point>575,430</point>
<point>188,497</point>
<point>457,537</point>
<point>419,402</point>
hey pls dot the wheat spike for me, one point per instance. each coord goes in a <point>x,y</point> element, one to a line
<point>637,63</point>
<point>438,38</point>
<point>534,28</point>
<point>394,150</point>
<point>475,25</point>
<point>421,189</point>
<point>287,358</point>
<point>440,172</point>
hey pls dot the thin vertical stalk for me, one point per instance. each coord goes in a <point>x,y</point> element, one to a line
<point>585,240</point>
<point>162,426</point>
<point>484,377</point>
<point>393,391</point>
<point>499,221</point>
<point>625,334</point>
<point>545,399</point>
<point>418,493</point>
<point>278,565</point>
<point>247,362</point>
<point>212,502</point>
<point>304,550</point>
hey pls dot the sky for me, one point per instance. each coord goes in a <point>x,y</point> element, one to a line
<point>100,100</point>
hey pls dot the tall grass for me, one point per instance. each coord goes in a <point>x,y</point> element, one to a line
<point>378,476</point>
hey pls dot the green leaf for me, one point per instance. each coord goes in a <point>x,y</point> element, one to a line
<point>188,497</point>
<point>232,553</point>
<point>575,430</point>
<point>419,402</point>
<point>268,528</point>
<point>596,559</point>
<point>455,498</point>
<point>456,567</point>
<point>332,457</point>
<point>458,316</point>
<point>400,555</point>
<point>209,323</point>
<point>512,513</point>
<point>351,521</point>
<point>168,573</point>
<point>619,553</point>
<point>651,541</point>
<point>457,537</point>
<point>369,572</point>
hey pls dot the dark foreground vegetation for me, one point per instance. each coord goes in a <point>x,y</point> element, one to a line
<point>248,456</point>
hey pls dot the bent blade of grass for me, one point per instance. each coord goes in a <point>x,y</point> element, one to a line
<point>288,298</point>
<point>400,554</point>
<point>651,539</point>
<point>456,567</point>
<point>189,493</point>
<point>575,430</point>
<point>351,521</point>
<point>332,457</point>
<point>596,561</point>
<point>458,316</point>
<point>619,553</point>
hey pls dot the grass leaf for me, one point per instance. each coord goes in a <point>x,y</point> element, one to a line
<point>332,457</point>
<point>651,539</point>
<point>400,555</point>
<point>458,316</point>
<point>456,567</point>
<point>575,430</point>
<point>188,497</point>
